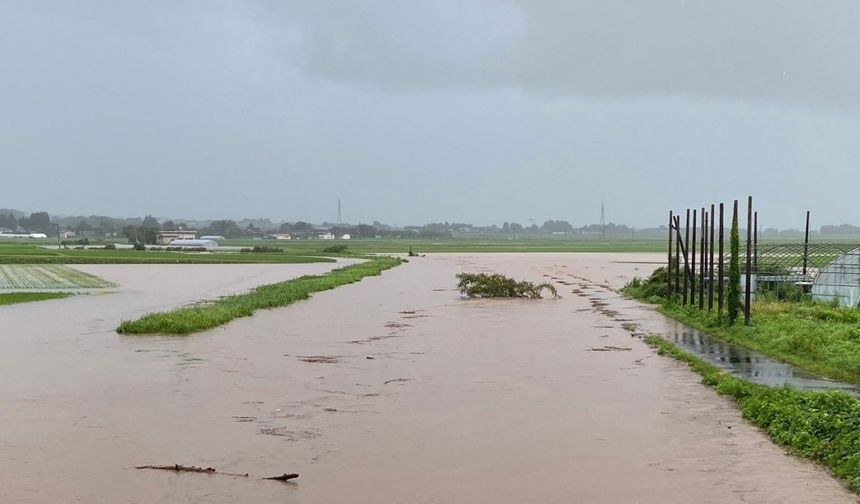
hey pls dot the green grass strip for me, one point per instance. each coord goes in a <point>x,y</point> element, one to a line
<point>8,298</point>
<point>821,426</point>
<point>200,318</point>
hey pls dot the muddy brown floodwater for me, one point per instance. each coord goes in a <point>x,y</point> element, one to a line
<point>391,390</point>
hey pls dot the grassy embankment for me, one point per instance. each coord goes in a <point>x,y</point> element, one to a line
<point>8,298</point>
<point>821,426</point>
<point>207,316</point>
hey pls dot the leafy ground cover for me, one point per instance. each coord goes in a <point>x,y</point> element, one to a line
<point>206,316</point>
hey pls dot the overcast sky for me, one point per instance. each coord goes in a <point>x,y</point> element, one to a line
<point>429,111</point>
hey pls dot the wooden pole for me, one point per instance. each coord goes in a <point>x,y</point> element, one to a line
<point>748,293</point>
<point>806,245</point>
<point>711,263</point>
<point>720,265</point>
<point>669,263</point>
<point>755,243</point>
<point>703,254</point>
<point>693,262</point>
<point>677,254</point>
<point>686,259</point>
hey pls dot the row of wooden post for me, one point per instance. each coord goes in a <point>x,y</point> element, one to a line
<point>685,282</point>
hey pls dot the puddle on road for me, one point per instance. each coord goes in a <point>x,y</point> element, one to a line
<point>749,365</point>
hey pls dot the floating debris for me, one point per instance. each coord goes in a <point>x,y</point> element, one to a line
<point>609,348</point>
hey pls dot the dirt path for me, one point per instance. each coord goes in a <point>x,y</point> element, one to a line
<point>391,390</point>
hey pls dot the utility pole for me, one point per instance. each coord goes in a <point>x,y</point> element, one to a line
<point>339,214</point>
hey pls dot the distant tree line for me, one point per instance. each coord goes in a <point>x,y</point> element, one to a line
<point>145,230</point>
<point>36,222</point>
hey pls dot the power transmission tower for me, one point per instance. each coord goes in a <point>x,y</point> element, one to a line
<point>603,221</point>
<point>339,214</point>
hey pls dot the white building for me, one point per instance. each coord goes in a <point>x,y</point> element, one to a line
<point>193,244</point>
<point>167,237</point>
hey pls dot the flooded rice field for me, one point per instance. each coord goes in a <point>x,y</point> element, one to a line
<point>394,389</point>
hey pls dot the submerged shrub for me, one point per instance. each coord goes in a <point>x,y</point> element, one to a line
<point>496,285</point>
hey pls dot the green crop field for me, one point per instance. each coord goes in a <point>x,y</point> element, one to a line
<point>454,245</point>
<point>47,276</point>
<point>22,253</point>
<point>305,251</point>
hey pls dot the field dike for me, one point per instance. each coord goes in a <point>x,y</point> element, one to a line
<point>200,318</point>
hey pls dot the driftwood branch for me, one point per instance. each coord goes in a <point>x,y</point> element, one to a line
<point>179,468</point>
<point>191,469</point>
<point>283,477</point>
<point>212,470</point>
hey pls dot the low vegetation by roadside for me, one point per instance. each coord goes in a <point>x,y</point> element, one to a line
<point>8,298</point>
<point>206,316</point>
<point>821,426</point>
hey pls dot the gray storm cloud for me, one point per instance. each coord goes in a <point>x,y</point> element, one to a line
<point>411,112</point>
<point>795,52</point>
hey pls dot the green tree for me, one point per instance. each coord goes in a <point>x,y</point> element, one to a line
<point>151,222</point>
<point>8,221</point>
<point>39,222</point>
<point>226,228</point>
<point>734,300</point>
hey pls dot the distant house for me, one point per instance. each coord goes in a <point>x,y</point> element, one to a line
<point>165,237</point>
<point>325,236</point>
<point>282,236</point>
<point>4,230</point>
<point>68,234</point>
<point>346,236</point>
